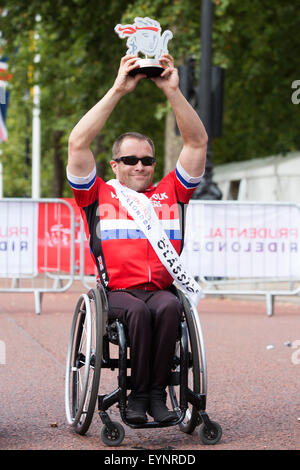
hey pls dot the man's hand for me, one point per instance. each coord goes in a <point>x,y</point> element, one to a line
<point>168,81</point>
<point>124,82</point>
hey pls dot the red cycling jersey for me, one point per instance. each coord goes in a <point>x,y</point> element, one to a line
<point>123,255</point>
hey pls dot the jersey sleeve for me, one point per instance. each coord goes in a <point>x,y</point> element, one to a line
<point>85,188</point>
<point>185,184</point>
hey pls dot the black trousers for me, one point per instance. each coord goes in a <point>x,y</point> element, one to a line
<point>152,320</point>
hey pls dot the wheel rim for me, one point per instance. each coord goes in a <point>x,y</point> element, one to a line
<point>211,434</point>
<point>78,359</point>
<point>93,379</point>
<point>112,435</point>
<point>197,381</point>
<point>189,421</point>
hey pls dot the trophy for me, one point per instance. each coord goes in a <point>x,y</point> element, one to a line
<point>144,36</point>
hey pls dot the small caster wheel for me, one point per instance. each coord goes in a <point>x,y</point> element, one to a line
<point>112,436</point>
<point>210,435</point>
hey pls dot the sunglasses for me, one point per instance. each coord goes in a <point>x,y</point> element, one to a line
<point>133,160</point>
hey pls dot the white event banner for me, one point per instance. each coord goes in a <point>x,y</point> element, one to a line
<point>242,240</point>
<point>18,238</point>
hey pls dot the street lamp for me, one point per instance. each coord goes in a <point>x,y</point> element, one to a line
<point>207,188</point>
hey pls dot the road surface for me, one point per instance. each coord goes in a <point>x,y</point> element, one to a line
<point>253,378</point>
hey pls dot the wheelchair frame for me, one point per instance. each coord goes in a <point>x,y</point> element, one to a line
<point>89,351</point>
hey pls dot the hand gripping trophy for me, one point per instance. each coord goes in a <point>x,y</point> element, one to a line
<point>144,36</point>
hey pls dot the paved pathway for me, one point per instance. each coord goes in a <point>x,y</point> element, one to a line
<point>253,391</point>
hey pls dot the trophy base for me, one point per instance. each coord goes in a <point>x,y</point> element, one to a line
<point>149,67</point>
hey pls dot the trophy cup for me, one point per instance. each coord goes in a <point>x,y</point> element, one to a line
<point>144,36</point>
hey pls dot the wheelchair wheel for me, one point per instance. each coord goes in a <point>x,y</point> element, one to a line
<point>197,368</point>
<point>84,360</point>
<point>212,435</point>
<point>113,435</point>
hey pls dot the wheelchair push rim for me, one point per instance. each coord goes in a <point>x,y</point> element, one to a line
<point>197,373</point>
<point>84,361</point>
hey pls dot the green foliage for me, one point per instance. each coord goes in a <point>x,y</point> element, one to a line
<point>256,41</point>
<point>260,41</point>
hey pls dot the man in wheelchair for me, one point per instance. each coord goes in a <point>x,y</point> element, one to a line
<point>136,271</point>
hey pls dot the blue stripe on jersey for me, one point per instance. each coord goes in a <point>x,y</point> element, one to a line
<point>186,183</point>
<point>133,234</point>
<point>82,186</point>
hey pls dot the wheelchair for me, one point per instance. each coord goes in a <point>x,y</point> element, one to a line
<point>89,351</point>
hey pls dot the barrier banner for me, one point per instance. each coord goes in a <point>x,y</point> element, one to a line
<point>221,240</point>
<point>18,238</point>
<point>243,240</point>
<point>54,239</point>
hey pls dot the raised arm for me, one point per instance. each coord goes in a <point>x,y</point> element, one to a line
<point>80,157</point>
<point>193,134</point>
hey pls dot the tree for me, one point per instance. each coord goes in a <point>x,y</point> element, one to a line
<point>77,64</point>
<point>255,41</point>
<point>259,43</point>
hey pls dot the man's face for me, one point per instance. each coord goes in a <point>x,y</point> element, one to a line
<point>137,177</point>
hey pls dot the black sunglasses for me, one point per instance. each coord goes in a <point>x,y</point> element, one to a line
<point>133,160</point>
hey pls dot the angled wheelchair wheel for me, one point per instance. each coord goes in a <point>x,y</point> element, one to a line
<point>84,357</point>
<point>197,366</point>
<point>210,435</point>
<point>112,435</point>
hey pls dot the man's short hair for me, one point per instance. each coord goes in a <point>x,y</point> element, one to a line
<point>135,135</point>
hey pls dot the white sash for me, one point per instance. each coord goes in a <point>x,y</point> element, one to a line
<point>141,210</point>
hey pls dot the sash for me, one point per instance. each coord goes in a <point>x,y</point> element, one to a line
<point>142,212</point>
